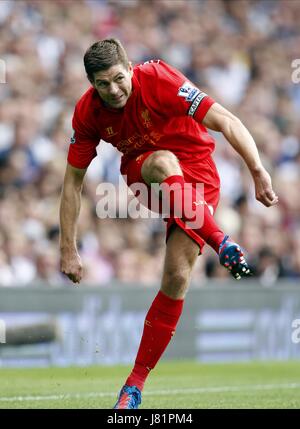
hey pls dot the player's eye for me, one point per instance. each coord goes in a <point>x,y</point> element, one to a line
<point>102,84</point>
<point>120,78</point>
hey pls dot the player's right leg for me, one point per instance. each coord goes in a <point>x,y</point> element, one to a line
<point>163,167</point>
<point>187,205</point>
<point>232,258</point>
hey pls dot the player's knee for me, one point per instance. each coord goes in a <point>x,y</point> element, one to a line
<point>163,161</point>
<point>160,165</point>
<point>175,284</point>
<point>177,279</point>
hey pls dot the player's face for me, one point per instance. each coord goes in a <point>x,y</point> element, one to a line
<point>114,85</point>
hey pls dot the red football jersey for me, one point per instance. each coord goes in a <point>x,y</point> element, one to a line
<point>164,111</point>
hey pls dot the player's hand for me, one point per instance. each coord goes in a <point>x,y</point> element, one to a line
<point>71,266</point>
<point>263,188</point>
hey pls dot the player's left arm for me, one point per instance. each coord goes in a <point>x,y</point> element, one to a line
<point>220,119</point>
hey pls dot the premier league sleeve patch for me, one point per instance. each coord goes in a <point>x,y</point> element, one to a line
<point>192,95</point>
<point>73,139</point>
<point>188,91</point>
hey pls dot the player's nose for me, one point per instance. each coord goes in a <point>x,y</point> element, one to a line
<point>113,89</point>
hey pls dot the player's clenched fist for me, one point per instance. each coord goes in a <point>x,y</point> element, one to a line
<point>263,188</point>
<point>71,266</point>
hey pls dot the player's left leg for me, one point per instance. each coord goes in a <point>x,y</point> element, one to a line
<point>163,315</point>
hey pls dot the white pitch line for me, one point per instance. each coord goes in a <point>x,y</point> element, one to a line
<point>221,389</point>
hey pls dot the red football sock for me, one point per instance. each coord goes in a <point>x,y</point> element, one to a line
<point>184,196</point>
<point>159,327</point>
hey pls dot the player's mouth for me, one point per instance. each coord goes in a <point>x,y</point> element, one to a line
<point>117,99</point>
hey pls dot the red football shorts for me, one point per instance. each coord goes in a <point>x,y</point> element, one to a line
<point>203,172</point>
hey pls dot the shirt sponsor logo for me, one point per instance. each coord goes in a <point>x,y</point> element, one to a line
<point>196,103</point>
<point>138,140</point>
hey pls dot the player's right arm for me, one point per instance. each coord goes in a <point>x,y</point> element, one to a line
<point>70,262</point>
<point>82,150</point>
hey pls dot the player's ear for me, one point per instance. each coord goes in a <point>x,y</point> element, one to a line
<point>130,68</point>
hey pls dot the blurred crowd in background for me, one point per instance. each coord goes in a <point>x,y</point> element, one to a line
<point>239,52</point>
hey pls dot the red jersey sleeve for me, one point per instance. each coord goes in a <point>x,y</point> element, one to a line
<point>171,93</point>
<point>83,143</point>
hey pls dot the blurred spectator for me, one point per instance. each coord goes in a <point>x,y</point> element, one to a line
<point>248,69</point>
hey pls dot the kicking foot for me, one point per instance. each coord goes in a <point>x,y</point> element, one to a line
<point>232,258</point>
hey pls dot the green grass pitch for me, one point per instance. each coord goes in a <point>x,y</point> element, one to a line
<point>172,385</point>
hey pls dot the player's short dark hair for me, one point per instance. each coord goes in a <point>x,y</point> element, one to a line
<point>102,55</point>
